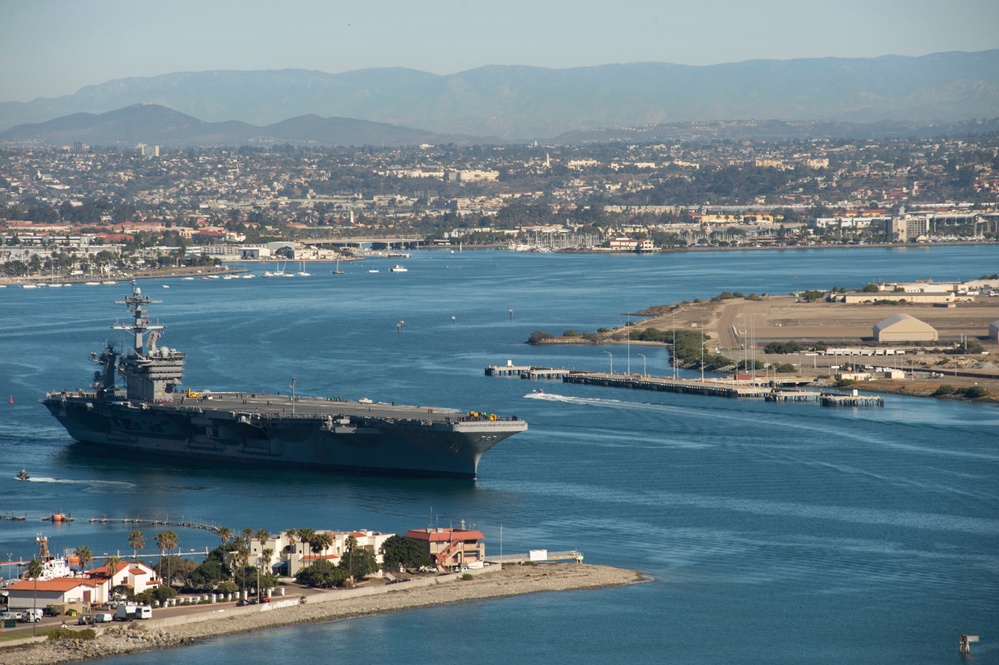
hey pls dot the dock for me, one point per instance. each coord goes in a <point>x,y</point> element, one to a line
<point>771,389</point>
<point>852,400</point>
<point>537,556</point>
<point>528,372</point>
<point>709,387</point>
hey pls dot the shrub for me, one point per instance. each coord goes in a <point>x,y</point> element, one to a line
<point>974,392</point>
<point>944,390</point>
<point>782,347</point>
<point>467,576</point>
<point>70,634</point>
<point>537,337</point>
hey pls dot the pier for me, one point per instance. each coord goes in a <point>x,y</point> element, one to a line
<point>528,372</point>
<point>537,556</point>
<point>852,400</point>
<point>771,390</point>
<point>709,387</point>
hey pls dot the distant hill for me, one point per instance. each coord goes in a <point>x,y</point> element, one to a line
<point>157,125</point>
<point>518,103</point>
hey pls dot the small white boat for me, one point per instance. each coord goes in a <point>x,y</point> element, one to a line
<point>373,270</point>
<point>398,268</point>
<point>188,279</point>
<point>94,283</point>
<point>166,286</point>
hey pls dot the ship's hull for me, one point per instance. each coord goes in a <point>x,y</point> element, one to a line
<point>238,429</point>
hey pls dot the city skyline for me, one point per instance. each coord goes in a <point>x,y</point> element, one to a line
<point>56,47</point>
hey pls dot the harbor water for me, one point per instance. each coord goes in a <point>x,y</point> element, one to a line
<point>778,533</point>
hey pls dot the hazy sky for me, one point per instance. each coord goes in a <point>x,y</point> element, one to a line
<point>50,48</point>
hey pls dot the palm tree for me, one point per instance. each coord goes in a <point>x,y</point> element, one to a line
<point>263,535</point>
<point>321,542</point>
<point>111,562</point>
<point>85,555</point>
<point>243,558</point>
<point>166,540</point>
<point>306,536</point>
<point>35,570</point>
<point>137,540</point>
<point>225,533</point>
<point>349,544</point>
<point>262,560</point>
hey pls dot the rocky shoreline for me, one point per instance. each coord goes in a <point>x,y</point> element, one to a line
<point>511,580</point>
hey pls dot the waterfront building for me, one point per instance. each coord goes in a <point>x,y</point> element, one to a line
<point>451,549</point>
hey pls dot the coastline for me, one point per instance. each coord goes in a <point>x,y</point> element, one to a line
<point>217,621</point>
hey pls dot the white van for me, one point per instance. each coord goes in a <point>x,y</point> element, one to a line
<point>103,617</point>
<point>32,615</point>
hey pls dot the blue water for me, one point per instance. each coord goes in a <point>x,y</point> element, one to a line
<point>773,533</point>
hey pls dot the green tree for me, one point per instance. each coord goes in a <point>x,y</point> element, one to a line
<point>85,555</point>
<point>406,552</point>
<point>322,574</point>
<point>167,540</point>
<point>225,533</point>
<point>137,541</point>
<point>111,562</point>
<point>357,561</point>
<point>34,571</point>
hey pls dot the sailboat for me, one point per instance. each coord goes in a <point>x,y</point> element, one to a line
<point>301,270</point>
<point>336,271</point>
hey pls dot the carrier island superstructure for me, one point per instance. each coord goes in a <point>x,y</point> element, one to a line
<point>153,416</point>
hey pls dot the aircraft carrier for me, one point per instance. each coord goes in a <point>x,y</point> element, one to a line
<point>151,415</point>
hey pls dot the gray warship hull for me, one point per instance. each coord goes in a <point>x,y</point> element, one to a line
<point>275,431</point>
<point>152,416</point>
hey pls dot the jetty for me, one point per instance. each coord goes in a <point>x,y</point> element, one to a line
<point>528,372</point>
<point>852,400</point>
<point>771,389</point>
<point>537,556</point>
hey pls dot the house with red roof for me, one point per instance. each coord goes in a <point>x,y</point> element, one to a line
<point>134,574</point>
<point>451,549</point>
<point>31,593</point>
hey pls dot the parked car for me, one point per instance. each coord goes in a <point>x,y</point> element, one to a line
<point>103,617</point>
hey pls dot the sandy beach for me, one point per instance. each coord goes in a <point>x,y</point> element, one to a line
<point>215,621</point>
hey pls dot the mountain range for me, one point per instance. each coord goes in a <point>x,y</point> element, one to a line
<point>154,124</point>
<point>518,103</point>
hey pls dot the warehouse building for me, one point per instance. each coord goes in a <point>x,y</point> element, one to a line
<point>904,328</point>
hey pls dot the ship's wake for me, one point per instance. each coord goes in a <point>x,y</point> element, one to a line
<point>92,483</point>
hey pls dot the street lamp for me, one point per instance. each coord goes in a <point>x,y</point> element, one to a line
<point>611,361</point>
<point>644,365</point>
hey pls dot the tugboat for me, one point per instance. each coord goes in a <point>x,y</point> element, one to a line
<point>22,475</point>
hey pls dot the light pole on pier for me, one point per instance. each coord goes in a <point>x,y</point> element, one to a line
<point>611,361</point>
<point>644,365</point>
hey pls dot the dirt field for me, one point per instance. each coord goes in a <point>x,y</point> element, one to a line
<point>733,327</point>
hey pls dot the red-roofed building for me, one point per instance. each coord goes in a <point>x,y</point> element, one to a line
<point>22,595</point>
<point>133,574</point>
<point>451,548</point>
